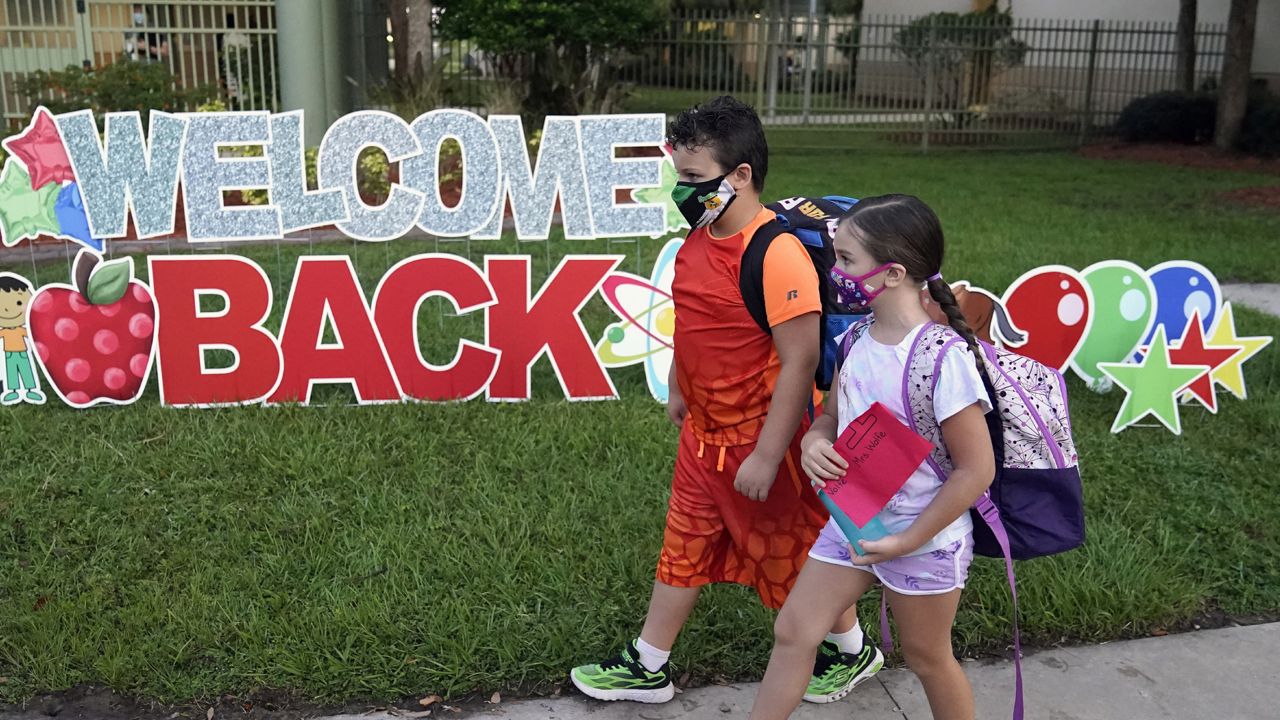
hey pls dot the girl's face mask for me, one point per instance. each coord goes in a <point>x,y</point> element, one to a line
<point>702,202</point>
<point>852,289</point>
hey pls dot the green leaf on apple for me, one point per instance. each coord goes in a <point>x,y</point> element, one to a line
<point>109,281</point>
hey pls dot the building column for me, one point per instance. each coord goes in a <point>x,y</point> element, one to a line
<point>335,38</point>
<point>304,67</point>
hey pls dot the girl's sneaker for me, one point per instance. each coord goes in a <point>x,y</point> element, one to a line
<point>836,674</point>
<point>622,677</point>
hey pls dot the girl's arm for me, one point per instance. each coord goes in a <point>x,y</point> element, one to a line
<point>824,426</point>
<point>818,456</point>
<point>966,436</point>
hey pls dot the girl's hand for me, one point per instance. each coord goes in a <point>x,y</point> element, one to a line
<point>821,462</point>
<point>884,549</point>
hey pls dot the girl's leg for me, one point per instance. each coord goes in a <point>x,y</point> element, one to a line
<point>822,593</point>
<point>924,629</point>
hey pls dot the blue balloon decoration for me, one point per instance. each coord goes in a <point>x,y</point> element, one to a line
<point>72,221</point>
<point>1183,287</point>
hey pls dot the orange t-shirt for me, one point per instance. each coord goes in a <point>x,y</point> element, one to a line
<point>14,339</point>
<point>725,365</point>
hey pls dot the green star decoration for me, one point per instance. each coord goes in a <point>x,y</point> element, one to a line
<point>25,213</point>
<point>662,196</point>
<point>1152,386</point>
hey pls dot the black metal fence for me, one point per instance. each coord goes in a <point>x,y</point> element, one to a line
<point>925,79</point>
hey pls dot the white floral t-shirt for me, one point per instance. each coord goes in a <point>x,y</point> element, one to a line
<point>873,373</point>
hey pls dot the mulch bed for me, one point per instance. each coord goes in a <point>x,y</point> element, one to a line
<point>1194,156</point>
<point>1201,157</point>
<point>1258,197</point>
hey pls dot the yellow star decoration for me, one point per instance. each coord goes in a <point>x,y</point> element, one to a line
<point>1230,374</point>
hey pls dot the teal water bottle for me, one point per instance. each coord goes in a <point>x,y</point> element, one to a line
<point>873,530</point>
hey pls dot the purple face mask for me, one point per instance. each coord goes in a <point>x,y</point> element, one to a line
<point>851,290</point>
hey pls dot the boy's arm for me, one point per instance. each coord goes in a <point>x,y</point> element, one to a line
<point>793,303</point>
<point>825,425</point>
<point>796,341</point>
<point>676,407</point>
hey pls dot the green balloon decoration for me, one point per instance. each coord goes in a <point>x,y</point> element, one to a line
<point>25,213</point>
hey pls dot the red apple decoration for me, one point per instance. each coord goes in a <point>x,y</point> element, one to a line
<point>95,339</point>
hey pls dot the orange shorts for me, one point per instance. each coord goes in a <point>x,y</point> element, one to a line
<point>715,534</point>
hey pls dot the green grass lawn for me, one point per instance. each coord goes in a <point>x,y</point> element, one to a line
<point>347,553</point>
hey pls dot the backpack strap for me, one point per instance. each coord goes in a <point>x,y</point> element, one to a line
<point>751,272</point>
<point>919,384</point>
<point>991,515</point>
<point>852,335</point>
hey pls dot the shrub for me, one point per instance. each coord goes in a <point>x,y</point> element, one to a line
<point>1260,133</point>
<point>1169,117</point>
<point>119,86</point>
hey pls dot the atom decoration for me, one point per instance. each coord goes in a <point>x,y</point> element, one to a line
<point>647,331</point>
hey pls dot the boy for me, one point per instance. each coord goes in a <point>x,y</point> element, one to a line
<point>739,510</point>
<point>15,294</point>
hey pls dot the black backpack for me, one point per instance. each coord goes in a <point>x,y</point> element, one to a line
<point>813,222</point>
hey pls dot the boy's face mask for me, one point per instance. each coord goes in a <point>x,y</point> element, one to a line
<point>702,202</point>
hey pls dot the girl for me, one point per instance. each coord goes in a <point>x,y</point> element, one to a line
<point>886,248</point>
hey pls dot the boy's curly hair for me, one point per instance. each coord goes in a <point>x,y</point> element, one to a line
<point>730,129</point>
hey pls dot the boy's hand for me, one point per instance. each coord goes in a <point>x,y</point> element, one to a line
<point>755,477</point>
<point>821,462</point>
<point>676,409</point>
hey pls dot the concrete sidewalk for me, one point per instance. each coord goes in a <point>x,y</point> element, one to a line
<point>1259,296</point>
<point>1230,674</point>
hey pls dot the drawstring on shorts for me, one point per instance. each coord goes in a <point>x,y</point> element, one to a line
<point>702,446</point>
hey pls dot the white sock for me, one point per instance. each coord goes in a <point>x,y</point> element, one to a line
<point>848,642</point>
<point>651,657</point>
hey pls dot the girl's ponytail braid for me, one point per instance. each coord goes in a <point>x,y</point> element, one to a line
<point>941,293</point>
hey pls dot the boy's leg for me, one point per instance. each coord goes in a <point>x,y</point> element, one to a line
<point>924,629</point>
<point>822,593</point>
<point>846,622</point>
<point>693,546</point>
<point>669,608</point>
<point>28,377</point>
<point>11,386</point>
<point>641,672</point>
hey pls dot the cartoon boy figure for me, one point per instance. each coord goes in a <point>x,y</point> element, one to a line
<point>15,294</point>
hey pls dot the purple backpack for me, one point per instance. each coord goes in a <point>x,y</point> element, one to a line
<point>1035,506</point>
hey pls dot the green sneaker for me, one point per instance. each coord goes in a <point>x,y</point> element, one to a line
<point>836,674</point>
<point>622,677</point>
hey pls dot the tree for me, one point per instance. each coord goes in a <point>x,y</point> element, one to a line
<point>563,51</point>
<point>1186,46</point>
<point>727,5</point>
<point>412,38</point>
<point>849,41</point>
<point>1233,94</point>
<point>959,53</point>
